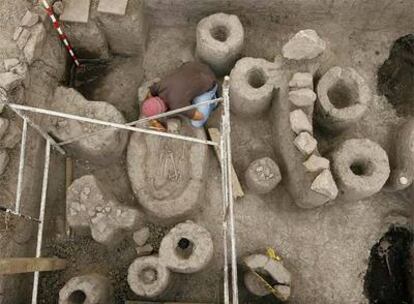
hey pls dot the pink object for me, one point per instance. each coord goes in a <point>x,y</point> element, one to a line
<point>153,106</point>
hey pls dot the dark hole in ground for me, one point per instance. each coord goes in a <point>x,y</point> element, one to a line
<point>362,168</point>
<point>184,248</point>
<point>256,78</point>
<point>220,33</point>
<point>77,297</point>
<point>396,76</point>
<point>387,278</point>
<point>341,95</point>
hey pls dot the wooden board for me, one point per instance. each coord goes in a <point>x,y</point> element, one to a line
<point>25,265</point>
<point>237,188</point>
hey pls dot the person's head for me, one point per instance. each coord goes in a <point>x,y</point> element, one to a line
<point>153,106</point>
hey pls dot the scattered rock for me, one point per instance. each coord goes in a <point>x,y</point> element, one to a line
<point>29,19</point>
<point>10,81</point>
<point>299,122</point>
<point>141,236</point>
<point>35,43</point>
<point>4,161</point>
<point>4,125</point>
<point>305,44</point>
<point>84,197</point>
<point>11,62</point>
<point>301,80</point>
<point>58,8</point>
<point>305,143</point>
<point>302,97</point>
<point>144,250</point>
<point>316,163</point>
<point>325,184</point>
<point>17,33</point>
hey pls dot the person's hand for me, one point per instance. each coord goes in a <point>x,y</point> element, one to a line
<point>198,116</point>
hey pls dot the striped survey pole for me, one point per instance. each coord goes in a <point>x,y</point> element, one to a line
<point>62,35</point>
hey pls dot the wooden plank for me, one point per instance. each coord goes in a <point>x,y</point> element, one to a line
<point>25,265</point>
<point>237,188</point>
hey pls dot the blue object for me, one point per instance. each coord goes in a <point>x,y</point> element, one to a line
<point>207,108</point>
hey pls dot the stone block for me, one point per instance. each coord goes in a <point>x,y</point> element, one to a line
<point>34,46</point>
<point>305,143</point>
<point>29,19</point>
<point>316,163</point>
<point>11,62</point>
<point>23,38</point>
<point>305,44</point>
<point>302,97</point>
<point>301,80</point>
<point>141,236</point>
<point>299,122</point>
<point>117,7</point>
<point>325,184</point>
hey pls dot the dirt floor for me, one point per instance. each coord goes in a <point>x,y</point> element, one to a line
<point>327,249</point>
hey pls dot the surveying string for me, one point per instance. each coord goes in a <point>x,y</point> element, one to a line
<point>62,35</point>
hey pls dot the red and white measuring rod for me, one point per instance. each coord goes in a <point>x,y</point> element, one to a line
<point>62,35</point>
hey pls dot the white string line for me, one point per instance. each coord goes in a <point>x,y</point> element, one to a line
<point>111,124</point>
<point>142,120</point>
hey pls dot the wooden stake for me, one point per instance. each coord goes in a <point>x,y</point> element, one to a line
<point>237,188</point>
<point>25,265</point>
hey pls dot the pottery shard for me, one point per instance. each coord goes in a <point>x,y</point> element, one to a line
<point>325,184</point>
<point>305,44</point>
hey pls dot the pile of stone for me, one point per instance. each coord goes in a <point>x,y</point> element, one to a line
<point>91,208</point>
<point>30,36</point>
<point>302,99</point>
